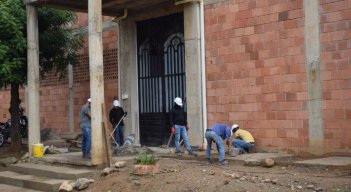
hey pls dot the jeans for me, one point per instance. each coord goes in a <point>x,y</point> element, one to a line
<point>242,145</point>
<point>181,131</point>
<point>119,135</point>
<point>212,136</point>
<point>86,140</point>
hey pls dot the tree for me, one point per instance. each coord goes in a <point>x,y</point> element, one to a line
<point>58,45</point>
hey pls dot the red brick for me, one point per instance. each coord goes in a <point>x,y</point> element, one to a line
<point>270,115</point>
<point>281,115</point>
<point>282,142</point>
<point>291,97</point>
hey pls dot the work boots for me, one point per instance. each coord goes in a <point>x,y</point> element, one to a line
<point>193,153</point>
<point>223,162</point>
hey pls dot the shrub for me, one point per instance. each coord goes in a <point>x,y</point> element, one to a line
<point>145,160</point>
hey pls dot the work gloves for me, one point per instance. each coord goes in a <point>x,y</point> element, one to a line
<point>172,130</point>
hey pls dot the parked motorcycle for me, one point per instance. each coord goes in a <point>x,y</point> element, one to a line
<point>23,127</point>
<point>3,133</point>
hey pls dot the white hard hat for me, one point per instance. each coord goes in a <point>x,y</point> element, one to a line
<point>234,128</point>
<point>116,103</point>
<point>178,101</point>
<point>89,100</point>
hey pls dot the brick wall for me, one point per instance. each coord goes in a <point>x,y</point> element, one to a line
<point>335,18</point>
<point>256,73</point>
<point>54,103</point>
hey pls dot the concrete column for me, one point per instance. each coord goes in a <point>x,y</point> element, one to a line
<point>128,76</point>
<point>96,79</point>
<point>70,98</point>
<point>312,45</point>
<point>192,37</point>
<point>33,77</point>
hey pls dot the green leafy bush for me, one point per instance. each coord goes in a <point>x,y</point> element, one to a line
<point>145,160</point>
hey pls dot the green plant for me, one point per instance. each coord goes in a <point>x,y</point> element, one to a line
<point>145,160</point>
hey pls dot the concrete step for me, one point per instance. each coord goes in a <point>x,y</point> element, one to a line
<point>49,171</point>
<point>11,188</point>
<point>30,181</point>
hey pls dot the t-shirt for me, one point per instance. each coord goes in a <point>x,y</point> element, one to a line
<point>85,120</point>
<point>245,135</point>
<point>221,130</point>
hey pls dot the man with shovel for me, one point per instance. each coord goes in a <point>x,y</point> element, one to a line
<point>116,119</point>
<point>179,125</point>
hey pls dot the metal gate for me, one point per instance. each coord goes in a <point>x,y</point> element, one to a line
<point>161,75</point>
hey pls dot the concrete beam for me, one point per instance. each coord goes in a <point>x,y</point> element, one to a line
<point>192,37</point>
<point>96,80</point>
<point>128,76</point>
<point>312,45</point>
<point>33,77</point>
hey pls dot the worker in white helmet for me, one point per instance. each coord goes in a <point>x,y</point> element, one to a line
<point>179,125</point>
<point>243,139</point>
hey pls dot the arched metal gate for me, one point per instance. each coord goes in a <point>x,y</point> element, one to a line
<point>161,75</point>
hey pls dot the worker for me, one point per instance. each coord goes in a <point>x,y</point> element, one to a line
<point>217,133</point>
<point>179,125</point>
<point>116,119</point>
<point>243,139</point>
<point>85,125</point>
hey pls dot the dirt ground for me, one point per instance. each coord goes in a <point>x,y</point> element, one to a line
<point>184,175</point>
<point>192,176</point>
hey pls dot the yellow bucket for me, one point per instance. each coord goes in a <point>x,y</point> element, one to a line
<point>38,150</point>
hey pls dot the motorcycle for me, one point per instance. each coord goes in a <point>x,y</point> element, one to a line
<point>4,133</point>
<point>23,127</point>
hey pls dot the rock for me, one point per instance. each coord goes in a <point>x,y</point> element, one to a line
<point>82,183</point>
<point>136,183</point>
<point>310,186</point>
<point>253,179</point>
<point>268,163</point>
<point>252,162</point>
<point>318,189</point>
<point>267,180</point>
<point>107,171</point>
<point>120,164</point>
<point>299,187</point>
<point>226,182</point>
<point>232,175</point>
<point>8,160</point>
<point>274,181</point>
<point>66,187</point>
<point>242,179</point>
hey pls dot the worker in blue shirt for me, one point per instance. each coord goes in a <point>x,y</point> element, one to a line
<point>218,133</point>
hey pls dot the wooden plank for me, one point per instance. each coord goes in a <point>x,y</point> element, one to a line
<point>106,137</point>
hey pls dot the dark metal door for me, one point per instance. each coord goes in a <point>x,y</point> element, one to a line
<point>161,75</point>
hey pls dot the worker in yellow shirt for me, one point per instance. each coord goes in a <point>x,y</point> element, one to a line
<point>243,139</point>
